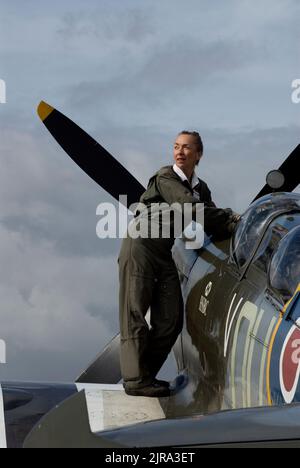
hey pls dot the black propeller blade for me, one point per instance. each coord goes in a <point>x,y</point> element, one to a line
<point>90,156</point>
<point>291,172</point>
<point>105,369</point>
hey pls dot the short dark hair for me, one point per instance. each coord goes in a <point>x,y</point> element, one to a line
<point>198,138</point>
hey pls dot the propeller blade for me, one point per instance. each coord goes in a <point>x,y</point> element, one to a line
<point>291,172</point>
<point>90,156</point>
<point>106,367</point>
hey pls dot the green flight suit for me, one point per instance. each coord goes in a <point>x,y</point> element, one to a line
<point>149,278</point>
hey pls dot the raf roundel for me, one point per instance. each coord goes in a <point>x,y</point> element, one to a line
<point>290,364</point>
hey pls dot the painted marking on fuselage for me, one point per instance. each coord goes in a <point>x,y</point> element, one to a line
<point>3,442</point>
<point>268,378</point>
<point>208,289</point>
<point>203,306</point>
<point>204,302</point>
<point>228,326</point>
<point>263,362</point>
<point>290,363</point>
<point>248,314</point>
<point>251,351</point>
<point>247,397</point>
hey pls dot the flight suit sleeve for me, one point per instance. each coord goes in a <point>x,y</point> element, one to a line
<point>217,221</point>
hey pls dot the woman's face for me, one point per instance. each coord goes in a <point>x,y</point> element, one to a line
<point>186,153</point>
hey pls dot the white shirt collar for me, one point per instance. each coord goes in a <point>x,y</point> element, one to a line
<point>183,177</point>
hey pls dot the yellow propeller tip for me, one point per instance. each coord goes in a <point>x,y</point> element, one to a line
<point>44,110</point>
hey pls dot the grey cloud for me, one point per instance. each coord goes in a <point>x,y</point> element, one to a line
<point>187,62</point>
<point>61,204</point>
<point>179,65</point>
<point>44,366</point>
<point>56,366</point>
<point>126,24</point>
<point>236,163</point>
<point>45,300</point>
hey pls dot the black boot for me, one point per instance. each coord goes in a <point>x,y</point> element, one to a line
<point>163,383</point>
<point>154,390</point>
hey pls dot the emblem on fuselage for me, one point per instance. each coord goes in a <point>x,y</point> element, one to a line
<point>290,363</point>
<point>208,289</point>
<point>284,356</point>
<point>204,302</point>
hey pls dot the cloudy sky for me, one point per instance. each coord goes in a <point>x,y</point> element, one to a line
<point>132,74</point>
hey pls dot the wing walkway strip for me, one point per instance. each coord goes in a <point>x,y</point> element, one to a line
<point>109,407</point>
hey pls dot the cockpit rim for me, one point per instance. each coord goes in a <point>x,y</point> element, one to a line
<point>242,270</point>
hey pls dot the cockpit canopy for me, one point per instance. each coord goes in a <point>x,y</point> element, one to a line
<point>284,274</point>
<point>256,220</point>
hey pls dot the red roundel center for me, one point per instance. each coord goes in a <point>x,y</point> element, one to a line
<point>291,360</point>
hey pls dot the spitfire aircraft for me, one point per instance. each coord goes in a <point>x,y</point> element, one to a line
<point>238,356</point>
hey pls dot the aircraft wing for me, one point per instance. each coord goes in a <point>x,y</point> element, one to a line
<point>24,405</point>
<point>94,408</point>
<point>69,426</point>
